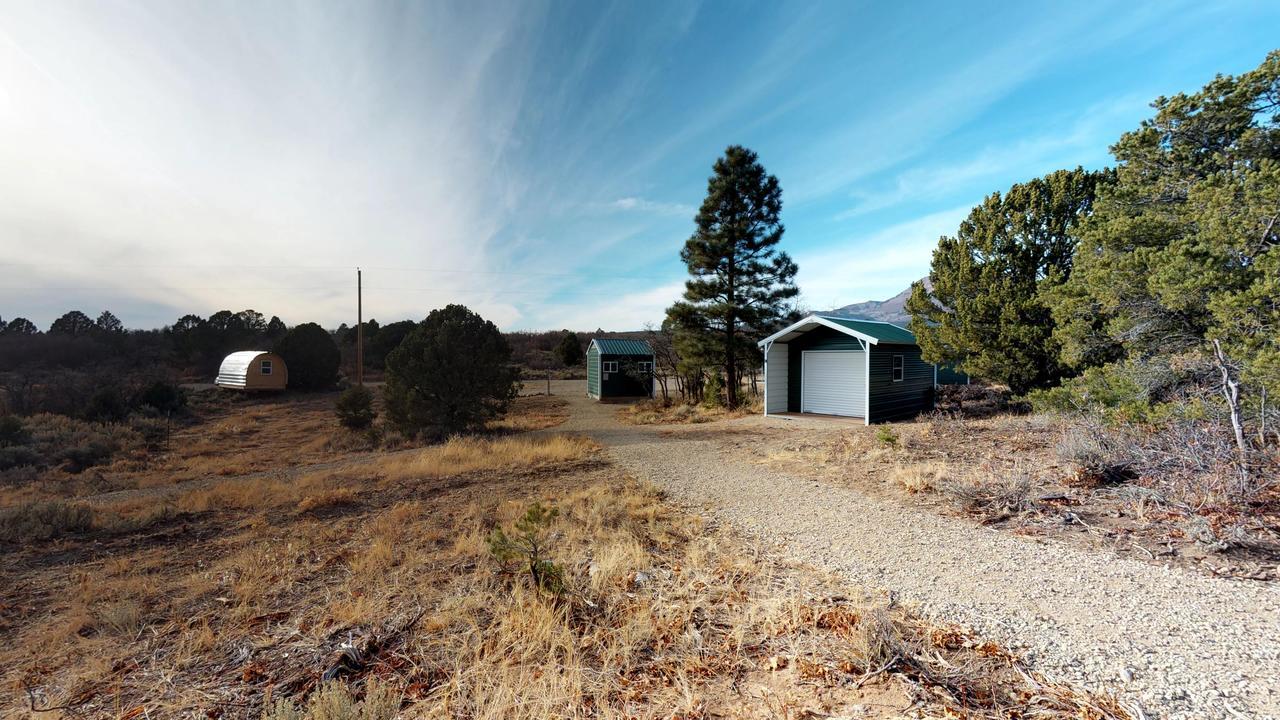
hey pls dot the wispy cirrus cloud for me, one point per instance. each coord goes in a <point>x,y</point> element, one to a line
<point>639,204</point>
<point>1081,142</point>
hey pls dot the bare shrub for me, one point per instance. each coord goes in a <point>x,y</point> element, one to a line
<point>972,401</point>
<point>993,499</point>
<point>44,520</point>
<point>1097,454</point>
<point>879,641</point>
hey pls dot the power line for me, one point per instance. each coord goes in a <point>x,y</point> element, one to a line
<point>582,274</point>
<point>295,288</point>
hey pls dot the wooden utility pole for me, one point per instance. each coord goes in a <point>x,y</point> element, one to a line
<point>359,329</point>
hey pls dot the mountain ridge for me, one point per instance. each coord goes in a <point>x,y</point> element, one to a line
<point>893,310</point>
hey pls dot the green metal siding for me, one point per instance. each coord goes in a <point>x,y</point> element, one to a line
<point>593,371</point>
<point>948,375</point>
<point>621,384</point>
<point>821,338</point>
<point>898,400</point>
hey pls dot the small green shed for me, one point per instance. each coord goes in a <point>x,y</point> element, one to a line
<point>619,368</point>
<point>865,369</point>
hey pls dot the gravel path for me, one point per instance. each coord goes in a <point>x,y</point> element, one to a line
<point>1179,645</point>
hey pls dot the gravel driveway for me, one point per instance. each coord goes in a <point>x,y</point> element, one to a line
<point>1179,645</point>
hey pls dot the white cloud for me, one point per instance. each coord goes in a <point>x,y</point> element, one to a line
<point>179,158</point>
<point>1084,139</point>
<point>875,267</point>
<point>615,311</point>
<point>650,206</point>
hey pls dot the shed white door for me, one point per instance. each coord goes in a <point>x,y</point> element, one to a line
<point>833,382</point>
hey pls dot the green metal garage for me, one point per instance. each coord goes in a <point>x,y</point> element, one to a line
<point>619,368</point>
<point>866,369</point>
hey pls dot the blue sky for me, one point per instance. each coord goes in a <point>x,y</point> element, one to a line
<point>538,162</point>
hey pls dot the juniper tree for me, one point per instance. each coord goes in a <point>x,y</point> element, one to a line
<point>983,312</point>
<point>569,351</point>
<point>311,356</point>
<point>1185,246</point>
<point>451,374</point>
<point>741,282</point>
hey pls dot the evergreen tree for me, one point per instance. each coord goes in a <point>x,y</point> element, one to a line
<point>21,326</point>
<point>311,356</point>
<point>275,328</point>
<point>569,351</point>
<point>74,323</point>
<point>451,374</point>
<point>107,322</point>
<point>982,311</point>
<point>1185,246</point>
<point>741,282</point>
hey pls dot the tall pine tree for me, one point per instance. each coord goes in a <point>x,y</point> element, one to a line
<point>741,282</point>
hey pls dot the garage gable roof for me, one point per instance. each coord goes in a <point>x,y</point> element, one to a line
<point>616,346</point>
<point>873,331</point>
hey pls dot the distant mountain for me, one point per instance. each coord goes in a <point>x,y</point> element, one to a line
<point>893,310</point>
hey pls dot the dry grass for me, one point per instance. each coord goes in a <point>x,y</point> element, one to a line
<point>470,454</point>
<point>655,412</point>
<point>661,614</point>
<point>260,594</point>
<point>533,412</point>
<point>925,477</point>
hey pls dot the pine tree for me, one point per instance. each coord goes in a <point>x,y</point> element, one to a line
<point>569,351</point>
<point>984,314</point>
<point>741,282</point>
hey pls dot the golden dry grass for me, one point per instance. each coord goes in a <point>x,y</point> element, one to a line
<point>655,412</point>
<point>923,477</point>
<point>470,454</point>
<point>258,590</point>
<point>533,412</point>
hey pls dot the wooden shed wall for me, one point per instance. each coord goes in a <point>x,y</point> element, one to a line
<point>277,380</point>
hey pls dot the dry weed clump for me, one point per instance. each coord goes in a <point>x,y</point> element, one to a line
<point>925,477</point>
<point>993,498</point>
<point>335,701</point>
<point>44,520</point>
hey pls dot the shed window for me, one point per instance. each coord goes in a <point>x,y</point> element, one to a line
<point>610,366</point>
<point>645,367</point>
<point>266,367</point>
<point>897,368</point>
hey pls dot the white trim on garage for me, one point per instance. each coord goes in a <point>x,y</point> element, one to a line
<point>776,357</point>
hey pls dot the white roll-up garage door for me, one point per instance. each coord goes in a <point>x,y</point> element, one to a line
<point>834,382</point>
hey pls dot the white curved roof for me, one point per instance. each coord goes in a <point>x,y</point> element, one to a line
<point>235,367</point>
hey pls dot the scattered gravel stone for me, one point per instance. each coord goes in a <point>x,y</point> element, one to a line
<point>1205,647</point>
